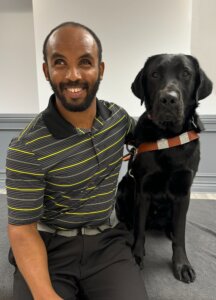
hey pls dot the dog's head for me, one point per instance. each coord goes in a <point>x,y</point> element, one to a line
<point>170,86</point>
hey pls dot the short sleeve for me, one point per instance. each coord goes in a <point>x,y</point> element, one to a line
<point>24,183</point>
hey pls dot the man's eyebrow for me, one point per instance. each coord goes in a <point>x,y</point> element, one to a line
<point>86,55</point>
<point>57,55</point>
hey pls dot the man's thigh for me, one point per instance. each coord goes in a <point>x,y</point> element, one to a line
<point>120,281</point>
<point>63,281</point>
<point>109,270</point>
<point>62,288</point>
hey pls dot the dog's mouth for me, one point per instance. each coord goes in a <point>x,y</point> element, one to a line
<point>166,124</point>
<point>167,121</point>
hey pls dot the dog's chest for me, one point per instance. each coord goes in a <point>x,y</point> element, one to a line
<point>161,170</point>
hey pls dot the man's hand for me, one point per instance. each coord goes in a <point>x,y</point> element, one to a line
<point>126,157</point>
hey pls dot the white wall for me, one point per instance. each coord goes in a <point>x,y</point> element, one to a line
<point>130,31</point>
<point>203,45</point>
<point>18,81</point>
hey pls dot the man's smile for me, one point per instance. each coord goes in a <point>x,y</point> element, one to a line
<point>75,93</point>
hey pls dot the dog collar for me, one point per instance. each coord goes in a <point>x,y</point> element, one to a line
<point>183,138</point>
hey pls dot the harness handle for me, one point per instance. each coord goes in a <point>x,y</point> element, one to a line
<point>129,156</point>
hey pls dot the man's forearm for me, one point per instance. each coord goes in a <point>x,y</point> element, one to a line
<point>31,258</point>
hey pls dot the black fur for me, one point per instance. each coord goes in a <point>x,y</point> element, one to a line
<point>156,193</point>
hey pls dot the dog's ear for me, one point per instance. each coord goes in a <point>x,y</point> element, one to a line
<point>137,86</point>
<point>205,87</point>
<point>204,84</point>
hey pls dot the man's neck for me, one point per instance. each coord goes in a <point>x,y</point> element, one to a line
<point>83,119</point>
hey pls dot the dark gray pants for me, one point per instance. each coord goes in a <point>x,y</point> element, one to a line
<point>99,267</point>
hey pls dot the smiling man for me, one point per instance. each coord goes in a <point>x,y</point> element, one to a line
<point>62,173</point>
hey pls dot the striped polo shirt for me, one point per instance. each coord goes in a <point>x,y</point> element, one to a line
<point>63,176</point>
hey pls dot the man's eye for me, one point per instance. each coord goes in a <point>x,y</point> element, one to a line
<point>59,62</point>
<point>85,62</point>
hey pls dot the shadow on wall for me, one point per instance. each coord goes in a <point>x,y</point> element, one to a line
<point>15,6</point>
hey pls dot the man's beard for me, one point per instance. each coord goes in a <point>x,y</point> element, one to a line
<point>91,93</point>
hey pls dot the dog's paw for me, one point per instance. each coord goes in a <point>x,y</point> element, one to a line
<point>184,272</point>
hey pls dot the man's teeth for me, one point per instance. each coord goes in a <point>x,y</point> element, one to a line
<point>74,90</point>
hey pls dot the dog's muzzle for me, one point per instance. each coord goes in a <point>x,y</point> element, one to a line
<point>168,109</point>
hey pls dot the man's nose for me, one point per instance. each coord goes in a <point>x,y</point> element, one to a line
<point>73,74</point>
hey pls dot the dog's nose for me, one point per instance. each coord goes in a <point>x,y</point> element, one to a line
<point>168,98</point>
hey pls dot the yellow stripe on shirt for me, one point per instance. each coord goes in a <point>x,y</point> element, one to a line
<point>22,172</point>
<point>25,209</point>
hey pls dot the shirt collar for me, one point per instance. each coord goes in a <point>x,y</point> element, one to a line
<point>58,126</point>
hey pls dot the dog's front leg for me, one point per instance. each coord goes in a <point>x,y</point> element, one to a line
<point>181,266</point>
<point>141,212</point>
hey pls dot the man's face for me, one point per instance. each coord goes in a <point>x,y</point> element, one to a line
<point>73,68</point>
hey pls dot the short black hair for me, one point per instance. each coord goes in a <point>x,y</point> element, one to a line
<point>73,24</point>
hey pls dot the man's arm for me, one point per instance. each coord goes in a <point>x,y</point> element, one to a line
<point>25,193</point>
<point>31,258</point>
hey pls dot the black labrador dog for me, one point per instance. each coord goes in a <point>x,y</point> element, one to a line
<point>155,192</point>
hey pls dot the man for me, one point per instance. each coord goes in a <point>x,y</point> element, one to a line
<point>62,174</point>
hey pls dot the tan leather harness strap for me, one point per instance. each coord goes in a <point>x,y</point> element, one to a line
<point>183,138</point>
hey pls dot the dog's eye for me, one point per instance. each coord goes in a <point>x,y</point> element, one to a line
<point>186,73</point>
<point>155,75</point>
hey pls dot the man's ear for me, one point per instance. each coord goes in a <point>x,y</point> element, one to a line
<point>101,69</point>
<point>45,70</point>
<point>204,84</point>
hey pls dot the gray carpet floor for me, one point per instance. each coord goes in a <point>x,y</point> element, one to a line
<point>160,283</point>
<point>201,250</point>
